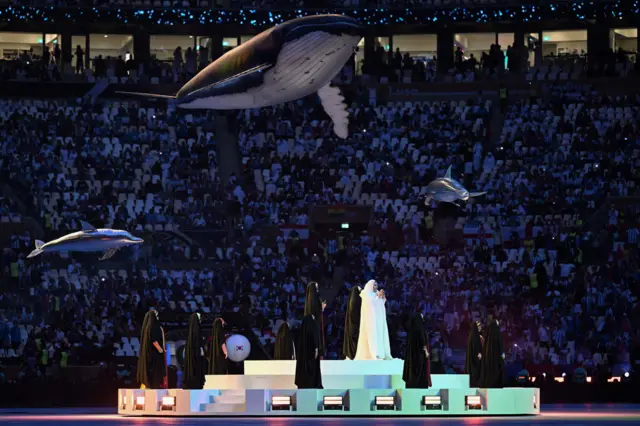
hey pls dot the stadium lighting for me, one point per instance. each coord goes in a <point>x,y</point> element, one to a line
<point>333,403</point>
<point>614,379</point>
<point>139,406</point>
<point>559,379</point>
<point>626,374</point>
<point>385,403</point>
<point>432,402</point>
<point>124,402</point>
<point>280,403</point>
<point>168,403</point>
<point>588,379</point>
<point>473,402</point>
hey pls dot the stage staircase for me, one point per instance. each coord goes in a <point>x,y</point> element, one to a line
<point>229,401</point>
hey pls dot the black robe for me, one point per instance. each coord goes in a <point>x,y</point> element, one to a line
<point>193,372</point>
<point>313,306</point>
<point>417,366</point>
<point>308,374</point>
<point>284,344</point>
<point>352,324</point>
<point>473,364</point>
<point>493,373</point>
<point>218,363</point>
<point>151,363</point>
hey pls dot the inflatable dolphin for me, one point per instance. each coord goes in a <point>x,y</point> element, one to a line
<point>448,190</point>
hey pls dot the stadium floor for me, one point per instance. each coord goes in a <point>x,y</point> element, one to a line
<point>565,415</point>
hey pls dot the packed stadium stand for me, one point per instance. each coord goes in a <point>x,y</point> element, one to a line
<point>527,255</point>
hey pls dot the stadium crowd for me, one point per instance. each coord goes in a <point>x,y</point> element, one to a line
<point>538,251</point>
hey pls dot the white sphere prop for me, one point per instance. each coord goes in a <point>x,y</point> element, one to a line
<point>238,348</point>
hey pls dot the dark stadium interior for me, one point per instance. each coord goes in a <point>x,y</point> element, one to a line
<point>537,104</point>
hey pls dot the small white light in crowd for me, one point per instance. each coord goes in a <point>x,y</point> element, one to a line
<point>385,403</point>
<point>473,402</point>
<point>564,374</point>
<point>559,379</point>
<point>588,379</point>
<point>432,402</point>
<point>544,374</point>
<point>280,403</point>
<point>626,374</point>
<point>105,36</point>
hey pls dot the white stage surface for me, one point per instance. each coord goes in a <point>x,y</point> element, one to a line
<point>357,382</point>
<point>335,375</point>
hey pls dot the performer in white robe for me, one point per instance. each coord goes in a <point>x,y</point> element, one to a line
<point>373,341</point>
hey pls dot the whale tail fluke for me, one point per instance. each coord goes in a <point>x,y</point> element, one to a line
<point>38,249</point>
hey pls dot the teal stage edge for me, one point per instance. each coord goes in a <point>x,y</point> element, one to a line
<point>353,386</point>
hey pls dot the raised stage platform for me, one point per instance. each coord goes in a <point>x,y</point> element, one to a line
<point>357,382</point>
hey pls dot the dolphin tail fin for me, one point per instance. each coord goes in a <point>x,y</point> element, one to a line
<point>477,194</point>
<point>38,249</point>
<point>448,174</point>
<point>146,95</point>
<point>333,103</point>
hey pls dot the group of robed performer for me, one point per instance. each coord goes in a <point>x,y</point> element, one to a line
<point>485,357</point>
<point>200,358</point>
<point>484,361</point>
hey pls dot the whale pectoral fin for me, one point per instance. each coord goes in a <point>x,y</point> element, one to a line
<point>109,254</point>
<point>477,194</point>
<point>87,226</point>
<point>335,107</point>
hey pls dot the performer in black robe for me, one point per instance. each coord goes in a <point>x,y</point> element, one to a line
<point>313,305</point>
<point>152,368</point>
<point>352,324</point>
<point>493,373</point>
<point>194,371</point>
<point>308,374</point>
<point>284,344</point>
<point>473,363</point>
<point>218,362</point>
<point>417,364</point>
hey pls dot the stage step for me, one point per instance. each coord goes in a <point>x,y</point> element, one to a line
<point>229,401</point>
<point>217,407</point>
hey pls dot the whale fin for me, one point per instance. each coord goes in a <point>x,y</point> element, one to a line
<point>335,107</point>
<point>146,95</point>
<point>476,194</point>
<point>250,72</point>
<point>109,254</point>
<point>87,226</point>
<point>448,174</point>
<point>38,249</point>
